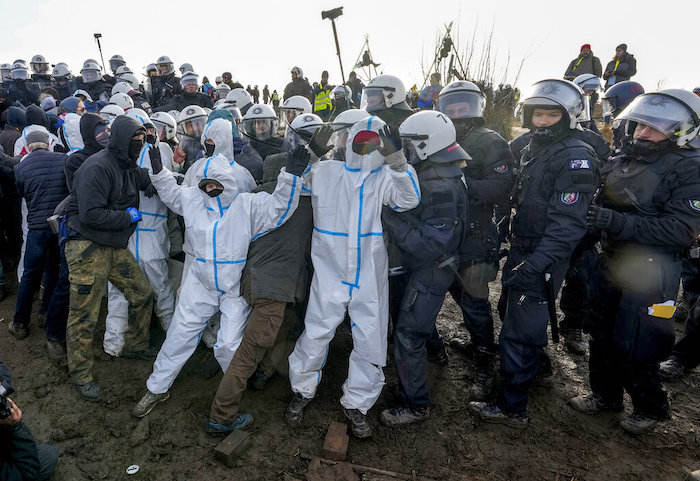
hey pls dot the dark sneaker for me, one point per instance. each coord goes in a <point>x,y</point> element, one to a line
<point>404,415</point>
<point>493,414</point>
<point>574,341</point>
<point>638,423</point>
<point>148,354</point>
<point>41,320</point>
<point>90,391</point>
<point>295,410</point>
<point>464,345</point>
<point>148,402</point>
<point>258,380</point>
<point>18,330</point>
<point>483,382</point>
<point>671,370</point>
<point>56,350</point>
<point>593,404</point>
<point>439,357</point>
<point>358,423</point>
<point>242,421</point>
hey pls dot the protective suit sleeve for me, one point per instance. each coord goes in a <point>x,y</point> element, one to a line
<point>269,211</point>
<point>402,190</point>
<point>168,189</point>
<point>566,214</point>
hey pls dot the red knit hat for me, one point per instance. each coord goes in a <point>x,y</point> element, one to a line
<point>586,45</point>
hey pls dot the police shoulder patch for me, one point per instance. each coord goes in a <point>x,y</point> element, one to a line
<point>569,198</point>
<point>501,169</point>
<point>579,164</point>
<point>694,204</point>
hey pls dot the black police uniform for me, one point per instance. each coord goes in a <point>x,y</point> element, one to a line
<point>26,92</point>
<point>430,232</point>
<point>164,88</point>
<point>98,90</point>
<point>657,200</point>
<point>554,188</point>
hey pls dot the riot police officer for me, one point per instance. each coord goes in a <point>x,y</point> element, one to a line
<point>41,74</point>
<point>166,85</point>
<point>385,97</point>
<point>555,185</point>
<point>429,237</point>
<point>648,212</point>
<point>22,89</point>
<point>489,176</point>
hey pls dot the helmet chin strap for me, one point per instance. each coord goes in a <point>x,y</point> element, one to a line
<point>646,147</point>
<point>545,135</point>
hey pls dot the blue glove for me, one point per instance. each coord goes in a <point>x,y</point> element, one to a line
<point>134,213</point>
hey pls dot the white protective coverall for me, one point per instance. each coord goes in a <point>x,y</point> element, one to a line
<point>71,133</point>
<point>150,245</point>
<point>219,230</point>
<point>350,267</point>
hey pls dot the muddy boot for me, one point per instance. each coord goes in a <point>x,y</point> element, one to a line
<point>593,404</point>
<point>90,391</point>
<point>483,375</point>
<point>493,414</point>
<point>404,415</point>
<point>18,330</point>
<point>463,345</point>
<point>242,421</point>
<point>574,341</point>
<point>672,370</point>
<point>638,423</point>
<point>148,402</point>
<point>56,351</point>
<point>358,423</point>
<point>295,409</point>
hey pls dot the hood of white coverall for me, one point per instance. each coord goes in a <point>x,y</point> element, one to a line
<point>363,163</point>
<point>71,132</point>
<point>221,132</point>
<point>218,169</point>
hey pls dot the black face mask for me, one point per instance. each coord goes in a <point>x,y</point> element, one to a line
<point>215,192</point>
<point>135,147</point>
<point>103,139</point>
<point>209,149</point>
<point>640,147</point>
<point>151,139</point>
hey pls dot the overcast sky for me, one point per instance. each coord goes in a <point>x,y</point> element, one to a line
<point>259,41</point>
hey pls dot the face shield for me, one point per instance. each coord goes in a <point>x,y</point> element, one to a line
<point>409,151</point>
<point>40,68</point>
<point>260,129</point>
<point>551,93</point>
<point>660,112</point>
<point>339,137</point>
<point>235,111</point>
<point>289,114</point>
<point>372,99</point>
<point>192,128</point>
<point>295,138</point>
<point>115,64</point>
<point>20,74</point>
<point>165,68</point>
<point>90,76</point>
<point>190,84</point>
<point>608,106</point>
<point>461,105</point>
<point>6,74</point>
<point>220,94</point>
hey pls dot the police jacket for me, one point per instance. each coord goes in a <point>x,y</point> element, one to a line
<point>164,88</point>
<point>436,227</point>
<point>276,263</point>
<point>299,86</point>
<point>106,185</point>
<point>42,183</point>
<point>65,88</point>
<point>182,100</point>
<point>25,92</point>
<point>552,194</point>
<point>659,197</point>
<point>99,90</point>
<point>597,142</point>
<point>395,115</point>
<point>140,102</point>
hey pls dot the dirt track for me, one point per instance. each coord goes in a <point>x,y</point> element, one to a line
<point>99,441</point>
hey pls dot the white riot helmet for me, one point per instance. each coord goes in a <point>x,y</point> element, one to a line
<point>301,129</point>
<point>61,71</point>
<point>186,67</point>
<point>191,122</point>
<point>383,92</point>
<point>6,71</point>
<point>91,72</point>
<point>131,79</point>
<point>341,92</point>
<point>294,106</point>
<point>220,92</point>
<point>260,122</point>
<point>20,71</point>
<point>673,112</point>
<point>189,79</point>
<point>89,60</point>
<point>39,64</point>
<point>111,112</point>
<point>82,94</point>
<point>123,100</point>
<point>240,98</point>
<point>115,62</point>
<point>430,135</point>
<point>174,114</point>
<point>298,72</point>
<point>122,88</point>
<point>461,100</point>
<point>554,93</point>
<point>165,65</point>
<point>139,115</point>
<point>588,82</point>
<point>165,124</point>
<point>122,70</point>
<point>231,107</point>
<point>342,124</point>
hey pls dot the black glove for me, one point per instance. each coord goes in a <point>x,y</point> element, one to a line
<point>156,163</point>
<point>319,140</point>
<point>298,160</point>
<point>150,191</point>
<point>524,277</point>
<point>179,179</point>
<point>391,140</point>
<point>605,219</point>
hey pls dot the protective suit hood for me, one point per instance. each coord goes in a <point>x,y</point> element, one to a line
<point>217,168</point>
<point>72,136</point>
<point>220,131</point>
<point>364,163</point>
<point>88,122</point>
<point>123,129</point>
<point>226,115</point>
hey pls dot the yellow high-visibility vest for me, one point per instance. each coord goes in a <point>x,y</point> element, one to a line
<point>323,100</point>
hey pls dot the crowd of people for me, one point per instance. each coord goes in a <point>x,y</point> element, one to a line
<point>184,202</point>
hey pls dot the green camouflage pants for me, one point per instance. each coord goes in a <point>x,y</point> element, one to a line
<point>89,273</point>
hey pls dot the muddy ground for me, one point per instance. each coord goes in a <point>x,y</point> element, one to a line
<point>99,441</point>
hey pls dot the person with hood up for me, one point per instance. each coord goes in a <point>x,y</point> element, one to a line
<point>221,222</point>
<point>69,133</point>
<point>622,67</point>
<point>350,263</point>
<point>586,62</point>
<point>16,121</point>
<point>102,214</point>
<point>150,246</point>
<point>95,133</point>
<point>244,154</point>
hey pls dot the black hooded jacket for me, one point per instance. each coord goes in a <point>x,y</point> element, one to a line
<point>105,186</point>
<point>88,123</point>
<point>36,116</point>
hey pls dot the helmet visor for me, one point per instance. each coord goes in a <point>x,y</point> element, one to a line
<point>192,127</point>
<point>40,68</point>
<point>235,111</point>
<point>461,105</point>
<point>608,106</point>
<point>662,113</point>
<point>20,74</point>
<point>372,99</point>
<point>260,129</point>
<point>90,75</point>
<point>554,92</point>
<point>290,114</point>
<point>115,64</point>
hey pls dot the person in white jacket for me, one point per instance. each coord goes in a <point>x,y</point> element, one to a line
<point>350,264</point>
<point>220,224</point>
